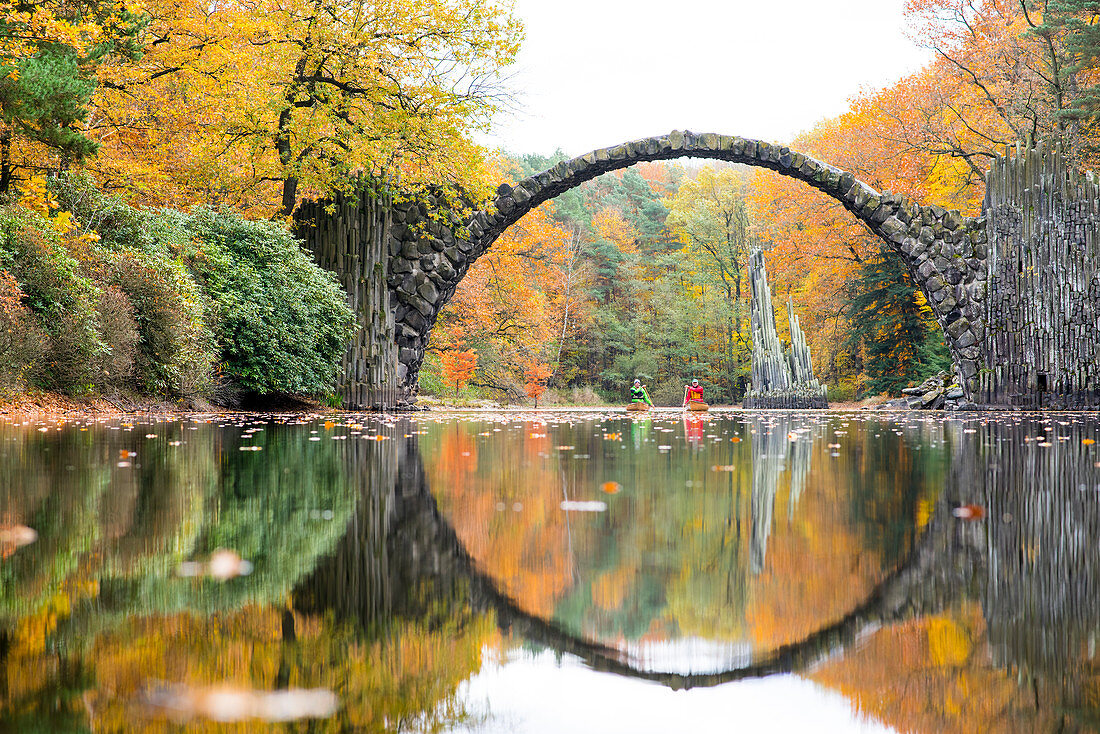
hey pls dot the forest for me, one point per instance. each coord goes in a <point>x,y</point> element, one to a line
<point>152,155</point>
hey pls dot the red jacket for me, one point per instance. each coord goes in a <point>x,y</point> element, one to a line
<point>695,393</point>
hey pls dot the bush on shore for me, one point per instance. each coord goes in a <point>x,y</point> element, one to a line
<point>282,323</point>
<point>106,298</point>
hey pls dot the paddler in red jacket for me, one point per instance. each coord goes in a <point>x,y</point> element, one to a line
<point>693,393</point>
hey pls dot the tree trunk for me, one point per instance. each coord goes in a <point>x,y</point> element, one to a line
<point>5,161</point>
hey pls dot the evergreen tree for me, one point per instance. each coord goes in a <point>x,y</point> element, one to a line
<point>892,327</point>
<point>47,81</point>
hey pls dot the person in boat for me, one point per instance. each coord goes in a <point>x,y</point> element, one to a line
<point>638,394</point>
<point>693,393</point>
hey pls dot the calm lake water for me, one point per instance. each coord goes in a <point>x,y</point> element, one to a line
<point>578,572</point>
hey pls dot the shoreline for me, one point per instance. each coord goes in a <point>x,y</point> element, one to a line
<point>56,406</point>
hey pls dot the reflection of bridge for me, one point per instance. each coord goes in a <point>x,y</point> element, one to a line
<point>400,548</point>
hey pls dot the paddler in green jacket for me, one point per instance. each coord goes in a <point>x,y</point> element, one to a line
<point>638,394</point>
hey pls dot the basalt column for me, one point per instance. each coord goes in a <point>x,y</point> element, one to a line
<point>349,236</point>
<point>780,379</point>
<point>1042,344</point>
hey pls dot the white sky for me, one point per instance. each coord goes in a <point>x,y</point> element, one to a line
<point>535,694</point>
<point>595,73</point>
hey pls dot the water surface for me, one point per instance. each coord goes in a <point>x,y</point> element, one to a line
<point>548,572</point>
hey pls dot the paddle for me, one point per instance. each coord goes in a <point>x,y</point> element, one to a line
<point>685,396</point>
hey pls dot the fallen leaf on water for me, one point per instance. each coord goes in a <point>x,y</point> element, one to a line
<point>736,439</point>
<point>223,564</point>
<point>611,487</point>
<point>1088,441</point>
<point>17,536</point>
<point>225,703</point>
<point>575,506</point>
<point>969,512</point>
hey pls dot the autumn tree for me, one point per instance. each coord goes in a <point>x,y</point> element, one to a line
<point>459,366</point>
<point>535,376</point>
<point>262,103</point>
<point>1004,71</point>
<point>520,302</point>
<point>710,214</point>
<point>48,73</point>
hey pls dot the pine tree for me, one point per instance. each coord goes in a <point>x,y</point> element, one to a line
<point>47,78</point>
<point>892,328</point>
<point>1071,30</point>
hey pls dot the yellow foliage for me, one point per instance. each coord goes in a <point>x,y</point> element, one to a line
<point>948,643</point>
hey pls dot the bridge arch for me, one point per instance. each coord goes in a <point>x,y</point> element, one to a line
<point>944,251</point>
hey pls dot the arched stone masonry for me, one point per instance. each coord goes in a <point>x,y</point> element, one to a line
<point>431,247</point>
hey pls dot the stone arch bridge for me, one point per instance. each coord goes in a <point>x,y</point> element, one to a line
<point>1015,290</point>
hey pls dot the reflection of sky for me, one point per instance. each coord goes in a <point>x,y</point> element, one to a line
<point>532,694</point>
<point>688,655</point>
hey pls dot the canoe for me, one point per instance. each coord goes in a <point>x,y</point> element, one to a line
<point>637,407</point>
<point>697,406</point>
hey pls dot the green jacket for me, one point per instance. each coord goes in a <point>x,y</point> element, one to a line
<point>639,395</point>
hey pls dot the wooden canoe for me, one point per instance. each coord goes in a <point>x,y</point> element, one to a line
<point>637,407</point>
<point>697,406</point>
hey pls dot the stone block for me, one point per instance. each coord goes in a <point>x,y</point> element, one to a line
<point>893,229</point>
<point>953,220</point>
<point>956,329</point>
<point>428,292</point>
<point>444,270</point>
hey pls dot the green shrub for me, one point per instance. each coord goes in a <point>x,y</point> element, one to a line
<point>844,391</point>
<point>63,301</point>
<point>282,323</point>
<point>116,223</point>
<point>175,352</point>
<point>119,331</point>
<point>137,252</point>
<point>21,341</point>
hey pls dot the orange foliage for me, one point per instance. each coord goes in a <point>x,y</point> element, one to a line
<point>932,674</point>
<point>518,302</point>
<point>535,376</point>
<point>528,557</point>
<point>458,367</point>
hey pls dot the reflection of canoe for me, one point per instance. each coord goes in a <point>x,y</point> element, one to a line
<point>698,405</point>
<point>637,407</point>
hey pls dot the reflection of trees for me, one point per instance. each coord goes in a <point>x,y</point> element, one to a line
<point>599,574</point>
<point>445,560</point>
<point>96,520</point>
<point>1002,631</point>
<point>396,611</point>
<point>110,538</point>
<point>280,508</point>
